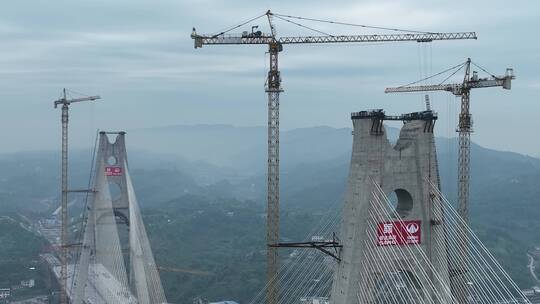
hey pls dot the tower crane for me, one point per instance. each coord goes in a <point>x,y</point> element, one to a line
<point>273,89</point>
<point>464,130</point>
<point>65,103</point>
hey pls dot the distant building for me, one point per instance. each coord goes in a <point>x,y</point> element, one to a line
<point>5,293</point>
<point>199,300</point>
<point>314,300</point>
<point>28,283</point>
<point>528,292</point>
<point>317,238</point>
<point>532,294</point>
<point>294,254</point>
<point>50,222</point>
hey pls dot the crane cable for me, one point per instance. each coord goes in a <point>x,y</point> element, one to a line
<point>75,92</point>
<point>226,30</point>
<point>304,26</point>
<point>481,68</point>
<point>457,67</point>
<point>282,17</point>
<point>353,24</point>
<point>435,75</point>
<point>457,70</point>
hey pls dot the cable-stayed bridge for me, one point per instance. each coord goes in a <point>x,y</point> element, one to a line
<point>401,240</point>
<point>114,263</point>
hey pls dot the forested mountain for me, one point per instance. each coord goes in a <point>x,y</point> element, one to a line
<point>202,192</point>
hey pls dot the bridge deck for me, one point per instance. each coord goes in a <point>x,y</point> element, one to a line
<point>102,286</point>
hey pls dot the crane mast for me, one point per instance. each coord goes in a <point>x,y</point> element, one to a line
<point>464,158</point>
<point>272,221</point>
<point>64,189</point>
<point>273,89</point>
<point>464,130</point>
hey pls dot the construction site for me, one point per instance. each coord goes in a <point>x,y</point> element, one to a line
<point>397,235</point>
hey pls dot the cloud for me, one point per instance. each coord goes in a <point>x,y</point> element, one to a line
<point>534,84</point>
<point>133,52</point>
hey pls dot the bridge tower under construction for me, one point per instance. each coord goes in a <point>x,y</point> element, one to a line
<point>115,264</point>
<point>393,232</point>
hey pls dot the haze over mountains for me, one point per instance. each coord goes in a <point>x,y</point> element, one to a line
<point>310,157</point>
<point>188,178</point>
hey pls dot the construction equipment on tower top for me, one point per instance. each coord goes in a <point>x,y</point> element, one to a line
<point>273,89</point>
<point>464,129</point>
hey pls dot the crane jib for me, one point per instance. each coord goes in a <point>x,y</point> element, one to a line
<point>457,88</point>
<point>239,39</point>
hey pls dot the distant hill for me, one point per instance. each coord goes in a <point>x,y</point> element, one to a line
<point>180,171</point>
<point>505,196</point>
<point>19,260</point>
<point>241,149</point>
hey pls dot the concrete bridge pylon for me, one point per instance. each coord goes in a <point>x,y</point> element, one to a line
<point>115,247</point>
<point>378,248</point>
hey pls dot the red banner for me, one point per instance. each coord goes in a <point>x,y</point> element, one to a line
<point>399,233</point>
<point>113,171</point>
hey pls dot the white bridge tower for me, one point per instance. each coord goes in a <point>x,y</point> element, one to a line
<point>116,264</point>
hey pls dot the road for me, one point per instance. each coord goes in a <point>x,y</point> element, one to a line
<point>34,300</point>
<point>531,268</point>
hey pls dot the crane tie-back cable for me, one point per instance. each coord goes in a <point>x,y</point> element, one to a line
<point>282,17</point>
<point>239,25</point>
<point>454,73</point>
<point>353,24</point>
<point>481,68</point>
<point>78,93</point>
<point>304,26</point>
<point>435,75</point>
<point>457,67</point>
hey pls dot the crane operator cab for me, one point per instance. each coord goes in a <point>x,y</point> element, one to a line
<point>246,34</point>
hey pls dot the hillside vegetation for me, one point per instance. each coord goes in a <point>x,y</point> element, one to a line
<point>206,214</point>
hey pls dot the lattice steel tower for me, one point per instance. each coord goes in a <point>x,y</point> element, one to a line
<point>64,246</point>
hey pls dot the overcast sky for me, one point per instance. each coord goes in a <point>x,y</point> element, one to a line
<point>139,57</point>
